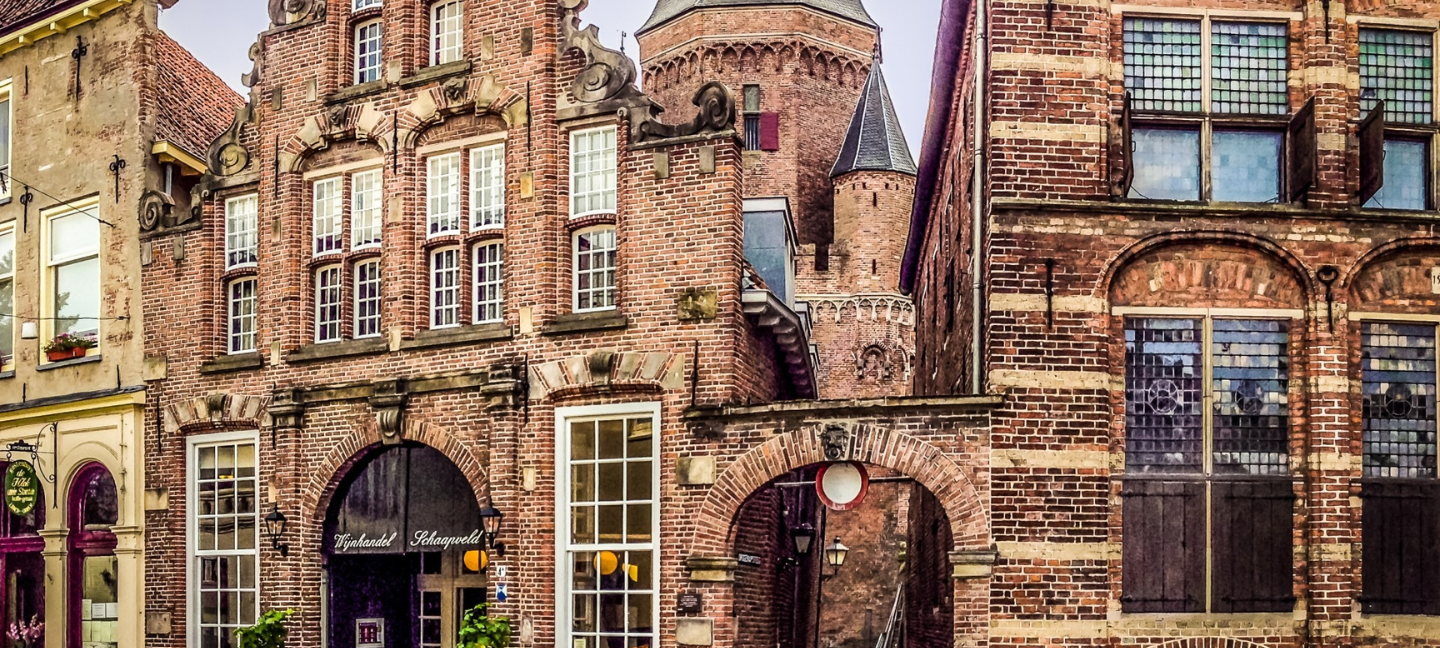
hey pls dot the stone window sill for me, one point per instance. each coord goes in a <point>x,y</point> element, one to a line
<point>7,374</point>
<point>51,366</point>
<point>343,349</point>
<point>435,73</point>
<point>356,91</point>
<point>237,362</point>
<point>473,334</point>
<point>606,320</point>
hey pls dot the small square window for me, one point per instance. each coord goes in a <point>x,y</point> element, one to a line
<point>1407,164</point>
<point>1246,166</point>
<point>1167,164</point>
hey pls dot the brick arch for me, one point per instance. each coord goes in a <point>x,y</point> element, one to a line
<point>1210,642</point>
<point>1393,275</point>
<point>365,439</point>
<point>875,445</point>
<point>227,411</point>
<point>1230,267</point>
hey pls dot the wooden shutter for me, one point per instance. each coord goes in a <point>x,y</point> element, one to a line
<point>1164,546</point>
<point>1400,569</point>
<point>1372,153</point>
<point>1125,176</point>
<point>1253,560</point>
<point>1304,153</point>
<point>769,131</point>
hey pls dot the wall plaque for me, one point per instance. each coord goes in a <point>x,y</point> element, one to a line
<point>689,603</point>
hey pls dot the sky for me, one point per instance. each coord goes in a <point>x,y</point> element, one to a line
<point>220,32</point>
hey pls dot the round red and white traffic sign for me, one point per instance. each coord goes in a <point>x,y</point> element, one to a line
<point>842,484</point>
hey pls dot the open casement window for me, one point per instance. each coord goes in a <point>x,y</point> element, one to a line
<point>1207,498</point>
<point>1397,80</point>
<point>1206,110</point>
<point>1400,495</point>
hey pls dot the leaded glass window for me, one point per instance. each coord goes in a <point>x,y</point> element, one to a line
<point>1247,165</point>
<point>1397,67</point>
<point>1163,374</point>
<point>1398,379</point>
<point>1249,68</point>
<point>1250,383</point>
<point>1407,172</point>
<point>1162,64</point>
<point>1167,164</point>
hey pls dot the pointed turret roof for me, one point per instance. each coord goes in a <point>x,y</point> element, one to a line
<point>667,9</point>
<point>874,141</point>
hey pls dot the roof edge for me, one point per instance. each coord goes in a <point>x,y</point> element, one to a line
<point>652,24</point>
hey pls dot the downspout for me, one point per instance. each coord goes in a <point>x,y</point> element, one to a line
<point>977,198</point>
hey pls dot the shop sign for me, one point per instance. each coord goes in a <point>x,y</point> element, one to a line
<point>22,489</point>
<point>387,542</point>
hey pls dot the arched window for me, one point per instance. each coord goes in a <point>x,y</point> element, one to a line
<point>94,571</point>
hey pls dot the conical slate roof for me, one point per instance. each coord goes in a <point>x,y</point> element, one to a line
<point>874,141</point>
<point>667,9</point>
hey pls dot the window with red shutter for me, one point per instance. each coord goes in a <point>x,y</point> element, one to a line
<point>769,131</point>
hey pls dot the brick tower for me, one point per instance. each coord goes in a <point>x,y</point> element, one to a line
<point>821,132</point>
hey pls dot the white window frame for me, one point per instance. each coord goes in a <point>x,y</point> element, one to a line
<point>242,215</point>
<point>442,195</point>
<point>447,33</point>
<point>327,216</point>
<point>366,222</point>
<point>53,263</point>
<point>564,601</point>
<point>583,161</point>
<point>329,283</point>
<point>437,321</point>
<point>362,320</point>
<point>7,144</point>
<point>8,229</point>
<point>231,317</point>
<point>481,286</point>
<point>365,4</point>
<point>487,187</point>
<point>193,445</point>
<point>368,65</point>
<point>613,289</point>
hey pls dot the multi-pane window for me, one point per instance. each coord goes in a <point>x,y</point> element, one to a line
<point>443,194</point>
<point>366,4</point>
<point>489,282</point>
<point>4,140</point>
<point>240,319</point>
<point>7,298</point>
<point>365,209</point>
<point>329,302</point>
<point>1400,495</point>
<point>1206,463</point>
<point>445,288</point>
<point>224,538</point>
<point>610,511</point>
<point>1397,67</point>
<point>368,42</point>
<point>327,216</point>
<point>241,215</point>
<point>595,269</point>
<point>1241,117</point>
<point>592,171</point>
<point>73,263</point>
<point>487,187</point>
<point>447,28</point>
<point>367,298</point>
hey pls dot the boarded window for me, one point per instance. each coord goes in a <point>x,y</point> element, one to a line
<point>1164,554</point>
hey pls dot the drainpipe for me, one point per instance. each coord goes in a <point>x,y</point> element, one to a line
<point>977,197</point>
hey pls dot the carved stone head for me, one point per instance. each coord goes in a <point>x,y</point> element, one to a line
<point>836,441</point>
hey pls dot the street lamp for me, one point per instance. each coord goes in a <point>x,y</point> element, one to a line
<point>490,518</point>
<point>275,528</point>
<point>803,536</point>
<point>835,554</point>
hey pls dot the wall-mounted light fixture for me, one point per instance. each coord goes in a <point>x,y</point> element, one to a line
<point>275,524</point>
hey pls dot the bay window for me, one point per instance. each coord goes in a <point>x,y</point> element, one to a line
<point>223,536</point>
<point>592,171</point>
<point>73,273</point>
<point>594,274</point>
<point>447,32</point>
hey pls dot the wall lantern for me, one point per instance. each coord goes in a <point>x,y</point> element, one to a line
<point>490,519</point>
<point>275,528</point>
<point>803,536</point>
<point>835,553</point>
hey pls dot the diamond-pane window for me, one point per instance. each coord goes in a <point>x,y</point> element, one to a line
<point>1397,67</point>
<point>1250,379</point>
<point>1162,64</point>
<point>1163,416</point>
<point>1397,373</point>
<point>1248,68</point>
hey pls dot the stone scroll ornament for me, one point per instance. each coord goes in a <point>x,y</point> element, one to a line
<point>716,114</point>
<point>608,74</point>
<point>289,12</point>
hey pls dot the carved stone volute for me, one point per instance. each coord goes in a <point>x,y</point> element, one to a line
<point>289,12</point>
<point>227,155</point>
<point>608,74</point>
<point>715,114</point>
<point>388,398</point>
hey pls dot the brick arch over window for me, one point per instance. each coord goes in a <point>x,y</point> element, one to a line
<point>1399,276</point>
<point>908,455</point>
<point>364,440</point>
<point>1210,642</point>
<point>216,411</point>
<point>1221,269</point>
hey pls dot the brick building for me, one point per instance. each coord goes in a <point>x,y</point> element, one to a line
<point>1192,245</point>
<point>103,122</point>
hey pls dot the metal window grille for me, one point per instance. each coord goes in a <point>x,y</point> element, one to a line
<point>752,131</point>
<point>1249,67</point>
<point>1163,374</point>
<point>1397,67</point>
<point>1398,384</point>
<point>1162,64</point>
<point>1250,383</point>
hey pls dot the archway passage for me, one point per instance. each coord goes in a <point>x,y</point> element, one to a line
<point>892,590</point>
<point>403,544</point>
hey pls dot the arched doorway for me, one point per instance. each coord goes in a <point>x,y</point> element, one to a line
<point>22,590</point>
<point>402,542</point>
<point>94,588</point>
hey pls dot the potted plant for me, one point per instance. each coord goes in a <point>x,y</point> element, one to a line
<point>268,632</point>
<point>66,346</point>
<point>480,630</point>
<point>26,635</point>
